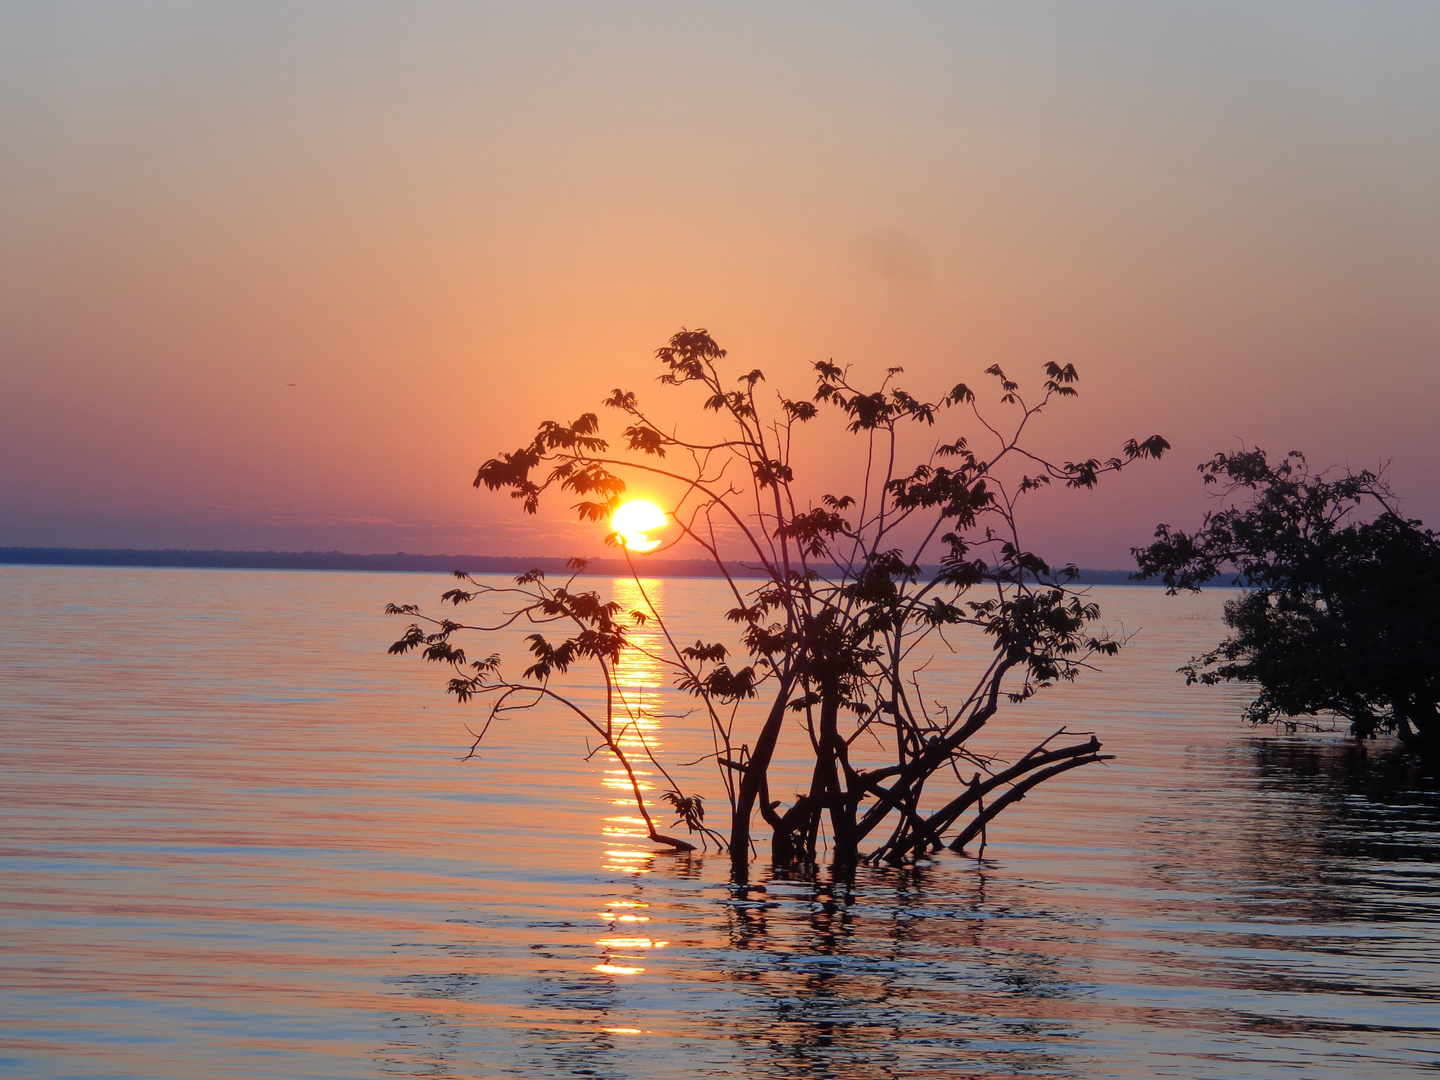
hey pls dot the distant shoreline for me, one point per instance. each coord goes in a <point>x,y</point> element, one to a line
<point>402,561</point>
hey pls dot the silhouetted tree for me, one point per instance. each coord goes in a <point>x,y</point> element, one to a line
<point>827,648</point>
<point>1341,612</point>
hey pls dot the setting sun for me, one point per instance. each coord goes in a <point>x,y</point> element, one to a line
<point>636,520</point>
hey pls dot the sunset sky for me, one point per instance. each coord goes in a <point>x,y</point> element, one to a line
<point>279,276</point>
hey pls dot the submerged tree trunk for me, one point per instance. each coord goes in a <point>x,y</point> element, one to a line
<point>796,833</point>
<point>754,782</point>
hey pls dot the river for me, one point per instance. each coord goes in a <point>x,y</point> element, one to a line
<point>236,840</point>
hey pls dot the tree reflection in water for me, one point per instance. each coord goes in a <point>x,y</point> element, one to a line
<point>911,972</point>
<point>1282,912</point>
<point>1336,830</point>
<point>907,972</point>
<point>1366,800</point>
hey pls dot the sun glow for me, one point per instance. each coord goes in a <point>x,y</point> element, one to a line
<point>635,521</point>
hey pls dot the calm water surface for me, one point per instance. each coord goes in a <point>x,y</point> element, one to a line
<point>237,842</point>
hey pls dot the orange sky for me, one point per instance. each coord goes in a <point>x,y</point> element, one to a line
<point>443,222</point>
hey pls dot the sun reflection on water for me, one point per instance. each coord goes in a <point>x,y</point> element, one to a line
<point>639,682</point>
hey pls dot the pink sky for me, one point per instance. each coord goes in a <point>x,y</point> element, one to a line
<point>444,222</point>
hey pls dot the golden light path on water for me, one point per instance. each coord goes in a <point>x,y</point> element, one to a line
<point>639,682</point>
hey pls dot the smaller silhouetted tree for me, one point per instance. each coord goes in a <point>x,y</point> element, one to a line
<point>1341,609</point>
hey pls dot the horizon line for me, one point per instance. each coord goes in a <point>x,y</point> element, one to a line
<point>401,561</point>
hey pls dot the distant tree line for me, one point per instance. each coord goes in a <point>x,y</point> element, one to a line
<point>403,561</point>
